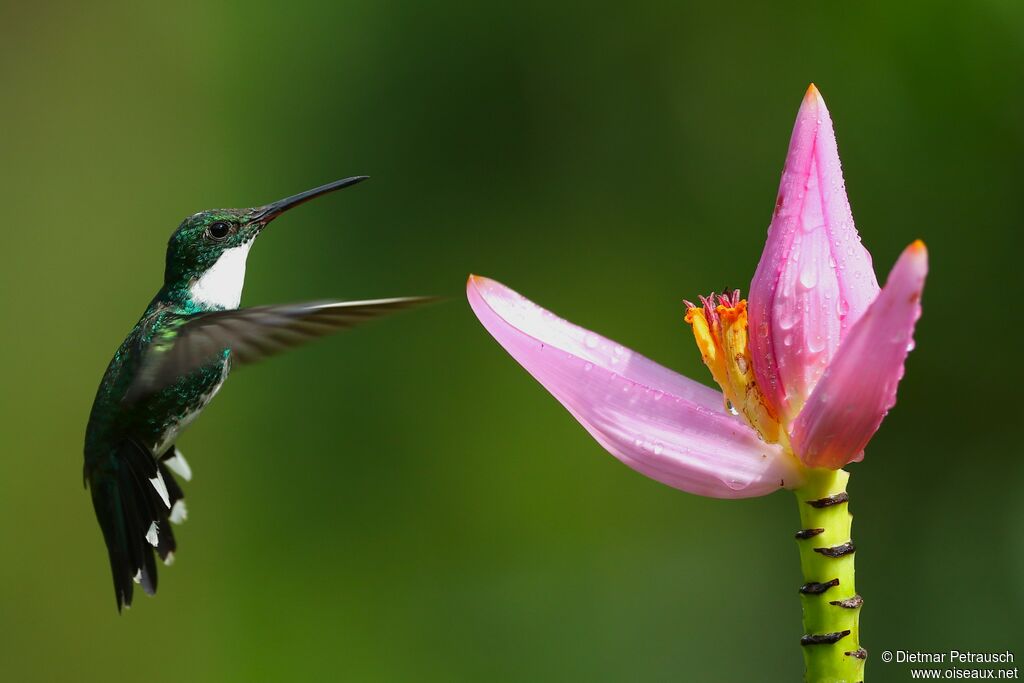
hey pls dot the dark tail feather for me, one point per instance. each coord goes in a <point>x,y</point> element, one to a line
<point>133,516</point>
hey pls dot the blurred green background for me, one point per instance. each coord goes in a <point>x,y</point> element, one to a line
<point>403,502</point>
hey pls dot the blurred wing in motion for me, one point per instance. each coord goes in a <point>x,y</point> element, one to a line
<point>251,334</point>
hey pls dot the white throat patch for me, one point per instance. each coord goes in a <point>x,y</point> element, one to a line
<point>221,285</point>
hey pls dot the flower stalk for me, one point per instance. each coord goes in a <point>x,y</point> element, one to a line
<point>831,605</point>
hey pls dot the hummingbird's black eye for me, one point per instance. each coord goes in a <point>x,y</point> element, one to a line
<point>218,230</point>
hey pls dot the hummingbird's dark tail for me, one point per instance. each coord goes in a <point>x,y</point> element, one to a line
<point>134,495</point>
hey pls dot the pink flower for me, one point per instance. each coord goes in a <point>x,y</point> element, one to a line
<point>806,386</point>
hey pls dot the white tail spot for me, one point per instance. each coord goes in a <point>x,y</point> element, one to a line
<point>179,465</point>
<point>161,488</point>
<point>152,535</point>
<point>179,513</point>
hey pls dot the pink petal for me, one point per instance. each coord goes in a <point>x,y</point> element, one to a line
<point>658,422</point>
<point>815,279</point>
<point>859,386</point>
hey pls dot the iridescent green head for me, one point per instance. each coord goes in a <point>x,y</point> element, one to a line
<point>206,254</point>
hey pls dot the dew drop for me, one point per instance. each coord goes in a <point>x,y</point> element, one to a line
<point>809,276</point>
<point>787,316</point>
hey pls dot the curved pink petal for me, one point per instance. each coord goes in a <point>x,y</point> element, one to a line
<point>815,279</point>
<point>859,386</point>
<point>658,422</point>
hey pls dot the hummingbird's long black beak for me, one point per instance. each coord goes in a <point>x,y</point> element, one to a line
<point>267,213</point>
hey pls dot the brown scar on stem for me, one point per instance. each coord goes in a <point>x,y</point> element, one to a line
<point>836,551</point>
<point>859,653</point>
<point>829,501</point>
<point>824,638</point>
<point>815,588</point>
<point>849,603</point>
<point>808,533</point>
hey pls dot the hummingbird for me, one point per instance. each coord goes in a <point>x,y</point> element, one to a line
<point>171,365</point>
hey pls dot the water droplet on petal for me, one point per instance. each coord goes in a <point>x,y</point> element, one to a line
<point>844,307</point>
<point>809,276</point>
<point>787,316</point>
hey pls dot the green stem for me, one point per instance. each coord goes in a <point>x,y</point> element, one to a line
<point>831,606</point>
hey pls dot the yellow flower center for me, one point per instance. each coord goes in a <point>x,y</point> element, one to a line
<point>720,329</point>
